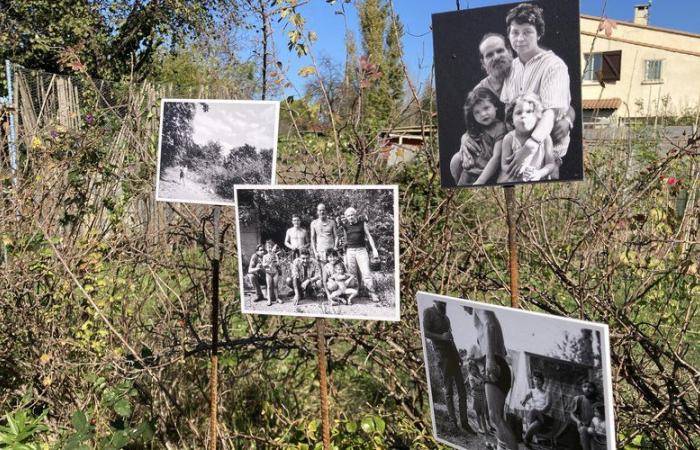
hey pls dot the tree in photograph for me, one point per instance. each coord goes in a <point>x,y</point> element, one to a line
<point>211,154</point>
<point>177,132</point>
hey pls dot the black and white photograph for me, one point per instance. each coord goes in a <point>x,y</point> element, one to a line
<point>319,251</point>
<point>508,379</point>
<point>508,87</point>
<point>206,147</point>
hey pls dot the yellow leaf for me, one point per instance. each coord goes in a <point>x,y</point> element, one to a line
<point>306,71</point>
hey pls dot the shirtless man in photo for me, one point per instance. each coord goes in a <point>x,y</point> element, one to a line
<point>324,235</point>
<point>296,238</point>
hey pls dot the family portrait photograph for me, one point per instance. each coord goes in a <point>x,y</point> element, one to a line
<point>508,87</point>
<point>319,251</point>
<point>508,379</point>
<point>206,147</point>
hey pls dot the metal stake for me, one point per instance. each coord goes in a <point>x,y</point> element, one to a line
<point>511,218</point>
<point>320,327</point>
<point>214,376</point>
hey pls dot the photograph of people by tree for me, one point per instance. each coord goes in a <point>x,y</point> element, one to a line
<point>323,251</point>
<point>511,379</point>
<point>208,146</point>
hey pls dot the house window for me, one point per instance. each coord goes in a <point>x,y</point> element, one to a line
<point>594,62</point>
<point>603,66</point>
<point>652,70</point>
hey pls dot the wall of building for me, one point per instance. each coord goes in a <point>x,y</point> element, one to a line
<point>676,94</point>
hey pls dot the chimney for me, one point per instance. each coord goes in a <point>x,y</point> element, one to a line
<point>641,14</point>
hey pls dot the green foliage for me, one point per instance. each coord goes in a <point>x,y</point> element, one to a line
<point>368,433</point>
<point>107,39</point>
<point>120,432</point>
<point>381,73</point>
<point>21,430</point>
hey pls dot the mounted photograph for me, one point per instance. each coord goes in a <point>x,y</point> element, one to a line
<point>319,251</point>
<point>206,147</point>
<point>504,378</point>
<point>508,88</point>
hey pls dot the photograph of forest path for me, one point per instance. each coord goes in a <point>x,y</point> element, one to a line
<point>207,147</point>
<point>106,293</point>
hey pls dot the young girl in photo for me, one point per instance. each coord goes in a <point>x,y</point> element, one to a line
<point>597,431</point>
<point>483,115</point>
<point>270,263</point>
<point>524,114</point>
<point>475,381</point>
<point>342,278</point>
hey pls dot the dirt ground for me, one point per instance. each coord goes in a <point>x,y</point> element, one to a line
<point>361,306</point>
<point>171,188</point>
<point>448,431</point>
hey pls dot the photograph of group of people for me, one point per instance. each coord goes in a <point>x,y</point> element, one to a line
<point>508,93</point>
<point>508,379</point>
<point>509,101</point>
<point>324,251</point>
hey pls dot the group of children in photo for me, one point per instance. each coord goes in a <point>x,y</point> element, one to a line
<point>307,277</point>
<point>495,137</point>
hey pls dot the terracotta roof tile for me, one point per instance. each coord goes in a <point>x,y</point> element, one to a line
<point>603,103</point>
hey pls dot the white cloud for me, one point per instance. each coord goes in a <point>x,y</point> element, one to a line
<point>235,124</point>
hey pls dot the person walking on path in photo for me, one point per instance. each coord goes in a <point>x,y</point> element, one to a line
<point>438,329</point>
<point>183,174</point>
<point>540,403</point>
<point>582,412</point>
<point>356,256</point>
<point>256,272</point>
<point>296,238</point>
<point>305,279</point>
<point>497,373</point>
<point>324,235</point>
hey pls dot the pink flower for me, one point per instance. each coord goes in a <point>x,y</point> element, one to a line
<point>672,181</point>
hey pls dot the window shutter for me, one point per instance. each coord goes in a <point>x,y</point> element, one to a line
<point>611,66</point>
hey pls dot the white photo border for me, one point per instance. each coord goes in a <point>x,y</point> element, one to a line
<point>422,296</point>
<point>397,265</point>
<point>229,101</point>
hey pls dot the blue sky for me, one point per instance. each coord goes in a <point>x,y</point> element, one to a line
<point>415,15</point>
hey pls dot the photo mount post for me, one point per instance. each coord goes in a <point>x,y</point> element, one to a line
<point>511,219</point>
<point>323,382</point>
<point>214,374</point>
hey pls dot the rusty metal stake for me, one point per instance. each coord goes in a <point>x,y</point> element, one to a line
<point>512,246</point>
<point>214,375</point>
<point>320,327</point>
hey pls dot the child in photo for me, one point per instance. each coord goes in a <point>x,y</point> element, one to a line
<point>483,115</point>
<point>597,430</point>
<point>342,278</point>
<point>475,381</point>
<point>270,263</point>
<point>524,114</point>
